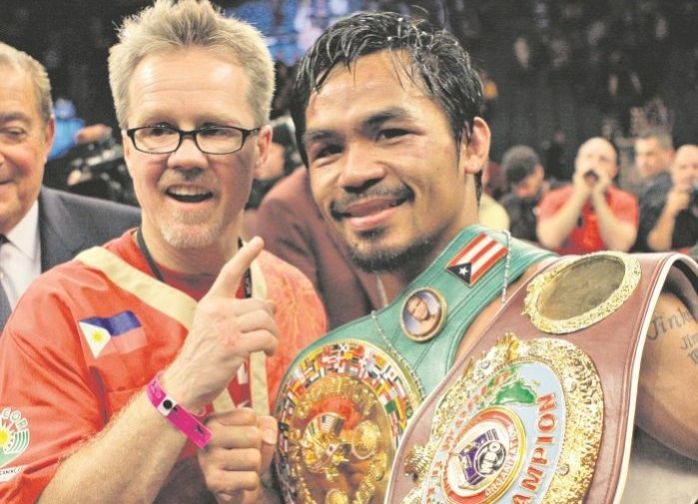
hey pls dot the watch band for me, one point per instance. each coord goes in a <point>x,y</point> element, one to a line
<point>177,415</point>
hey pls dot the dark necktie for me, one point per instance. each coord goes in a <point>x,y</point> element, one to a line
<point>5,308</point>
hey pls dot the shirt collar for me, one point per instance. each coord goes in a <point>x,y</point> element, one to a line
<point>25,235</point>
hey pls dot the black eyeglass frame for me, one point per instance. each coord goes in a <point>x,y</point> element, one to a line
<point>246,133</point>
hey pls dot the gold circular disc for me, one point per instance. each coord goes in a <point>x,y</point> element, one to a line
<point>575,294</point>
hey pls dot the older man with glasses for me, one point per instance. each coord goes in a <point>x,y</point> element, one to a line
<point>164,340</point>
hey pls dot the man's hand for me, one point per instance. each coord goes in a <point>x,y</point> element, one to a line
<point>225,331</point>
<point>239,452</point>
<point>676,200</point>
<point>600,184</point>
<point>583,182</point>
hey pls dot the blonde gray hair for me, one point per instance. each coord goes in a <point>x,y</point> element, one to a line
<point>18,60</point>
<point>169,25</point>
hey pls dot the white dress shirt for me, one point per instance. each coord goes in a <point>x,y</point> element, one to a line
<point>20,257</point>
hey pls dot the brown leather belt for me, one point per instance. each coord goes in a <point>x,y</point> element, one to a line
<point>612,338</point>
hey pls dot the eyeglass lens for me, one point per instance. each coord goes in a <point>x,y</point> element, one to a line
<point>212,140</point>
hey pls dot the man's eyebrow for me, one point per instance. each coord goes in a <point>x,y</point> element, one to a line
<point>318,135</point>
<point>387,114</point>
<point>14,116</point>
<point>369,124</point>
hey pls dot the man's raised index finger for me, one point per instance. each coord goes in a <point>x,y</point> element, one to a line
<point>228,279</point>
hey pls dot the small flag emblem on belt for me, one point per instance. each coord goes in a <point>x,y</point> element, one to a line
<point>476,258</point>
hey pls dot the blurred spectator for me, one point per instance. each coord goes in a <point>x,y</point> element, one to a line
<point>590,214</point>
<point>283,158</point>
<point>670,217</point>
<point>653,156</point>
<point>654,151</point>
<point>294,230</point>
<point>524,174</point>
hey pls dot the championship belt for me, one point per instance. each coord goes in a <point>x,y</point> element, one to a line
<point>347,399</point>
<point>545,413</point>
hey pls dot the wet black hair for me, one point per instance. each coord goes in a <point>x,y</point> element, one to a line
<point>436,61</point>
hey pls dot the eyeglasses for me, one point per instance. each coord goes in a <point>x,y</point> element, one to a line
<point>209,139</point>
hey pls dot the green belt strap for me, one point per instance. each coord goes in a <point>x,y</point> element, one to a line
<point>431,360</point>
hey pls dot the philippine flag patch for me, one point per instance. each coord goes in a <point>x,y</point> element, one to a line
<point>476,258</point>
<point>120,333</point>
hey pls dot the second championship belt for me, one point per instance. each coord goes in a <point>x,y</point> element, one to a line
<point>542,409</point>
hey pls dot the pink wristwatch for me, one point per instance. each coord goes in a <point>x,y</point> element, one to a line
<point>178,416</point>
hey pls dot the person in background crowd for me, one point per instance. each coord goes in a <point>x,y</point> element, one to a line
<point>282,160</point>
<point>105,387</point>
<point>591,213</point>
<point>39,227</point>
<point>654,152</point>
<point>670,216</point>
<point>525,178</point>
<point>653,155</point>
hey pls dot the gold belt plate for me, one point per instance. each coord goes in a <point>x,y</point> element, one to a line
<point>342,411</point>
<point>522,424</point>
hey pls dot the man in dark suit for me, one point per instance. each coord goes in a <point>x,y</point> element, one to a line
<point>39,228</point>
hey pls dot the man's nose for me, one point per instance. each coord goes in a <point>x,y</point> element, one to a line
<point>361,166</point>
<point>188,155</point>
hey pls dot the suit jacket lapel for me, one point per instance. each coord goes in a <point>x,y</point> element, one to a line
<point>60,237</point>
